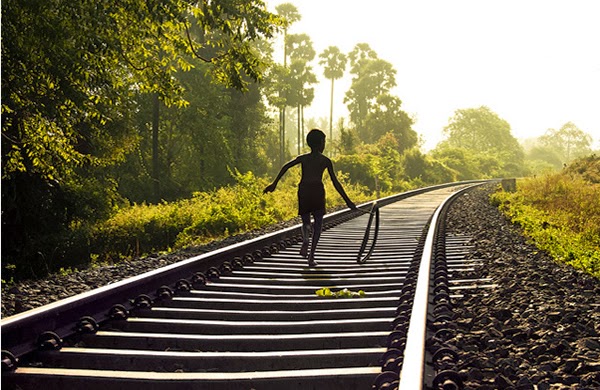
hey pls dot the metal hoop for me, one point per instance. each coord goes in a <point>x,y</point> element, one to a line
<point>373,213</point>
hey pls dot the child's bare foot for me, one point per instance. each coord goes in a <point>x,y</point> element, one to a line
<point>304,249</point>
<point>312,262</point>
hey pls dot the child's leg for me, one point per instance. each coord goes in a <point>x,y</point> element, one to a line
<point>318,215</point>
<point>305,234</point>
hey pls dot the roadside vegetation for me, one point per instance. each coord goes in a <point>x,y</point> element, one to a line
<point>560,213</point>
<point>207,216</point>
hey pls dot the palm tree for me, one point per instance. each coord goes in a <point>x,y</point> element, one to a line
<point>290,15</point>
<point>301,52</point>
<point>301,95</point>
<point>334,62</point>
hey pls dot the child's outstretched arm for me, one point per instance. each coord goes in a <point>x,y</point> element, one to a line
<point>338,186</point>
<point>271,187</point>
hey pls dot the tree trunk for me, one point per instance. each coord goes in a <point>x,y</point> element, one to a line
<point>299,139</point>
<point>155,163</point>
<point>282,128</point>
<point>283,158</point>
<point>282,136</point>
<point>303,137</point>
<point>331,113</point>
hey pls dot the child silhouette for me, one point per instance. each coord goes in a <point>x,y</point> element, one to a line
<point>311,192</point>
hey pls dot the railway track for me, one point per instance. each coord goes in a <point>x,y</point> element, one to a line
<point>248,316</point>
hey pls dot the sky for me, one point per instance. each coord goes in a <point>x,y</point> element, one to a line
<point>534,63</point>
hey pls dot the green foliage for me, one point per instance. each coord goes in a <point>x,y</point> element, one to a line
<point>586,168</point>
<point>380,167</point>
<point>75,78</point>
<point>425,168</point>
<point>553,150</point>
<point>480,129</point>
<point>207,216</point>
<point>8,269</point>
<point>362,168</point>
<point>470,164</point>
<point>539,167</point>
<point>70,69</point>
<point>301,76</point>
<point>460,160</point>
<point>299,48</point>
<point>219,127</point>
<point>326,292</point>
<point>348,141</point>
<point>333,62</point>
<point>289,13</point>
<point>386,116</point>
<point>373,110</point>
<point>277,86</point>
<point>377,166</point>
<point>543,159</point>
<point>560,213</point>
<point>67,271</point>
<point>44,224</point>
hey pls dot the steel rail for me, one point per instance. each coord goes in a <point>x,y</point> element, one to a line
<point>411,376</point>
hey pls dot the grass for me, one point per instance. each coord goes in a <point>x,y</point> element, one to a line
<point>560,214</point>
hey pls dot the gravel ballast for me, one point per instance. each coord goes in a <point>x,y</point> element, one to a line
<point>538,329</point>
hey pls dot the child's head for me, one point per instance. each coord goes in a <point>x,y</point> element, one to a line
<point>316,139</point>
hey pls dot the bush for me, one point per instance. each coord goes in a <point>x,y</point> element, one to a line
<point>226,211</point>
<point>46,223</point>
<point>146,228</point>
<point>360,168</point>
<point>588,168</point>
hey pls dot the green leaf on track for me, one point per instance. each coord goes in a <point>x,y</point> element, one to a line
<point>326,292</point>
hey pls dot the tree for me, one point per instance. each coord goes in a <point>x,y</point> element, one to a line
<point>218,130</point>
<point>74,77</point>
<point>289,14</point>
<point>386,117</point>
<point>334,66</point>
<point>277,90</point>
<point>360,54</point>
<point>301,52</point>
<point>372,77</point>
<point>461,161</point>
<point>348,139</point>
<point>301,76</point>
<point>300,47</point>
<point>543,158</point>
<point>70,68</point>
<point>373,109</point>
<point>482,130</point>
<point>569,142</point>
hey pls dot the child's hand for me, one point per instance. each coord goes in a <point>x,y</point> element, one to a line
<point>269,188</point>
<point>352,206</point>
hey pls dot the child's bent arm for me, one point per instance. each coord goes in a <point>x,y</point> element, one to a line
<point>338,186</point>
<point>271,187</point>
